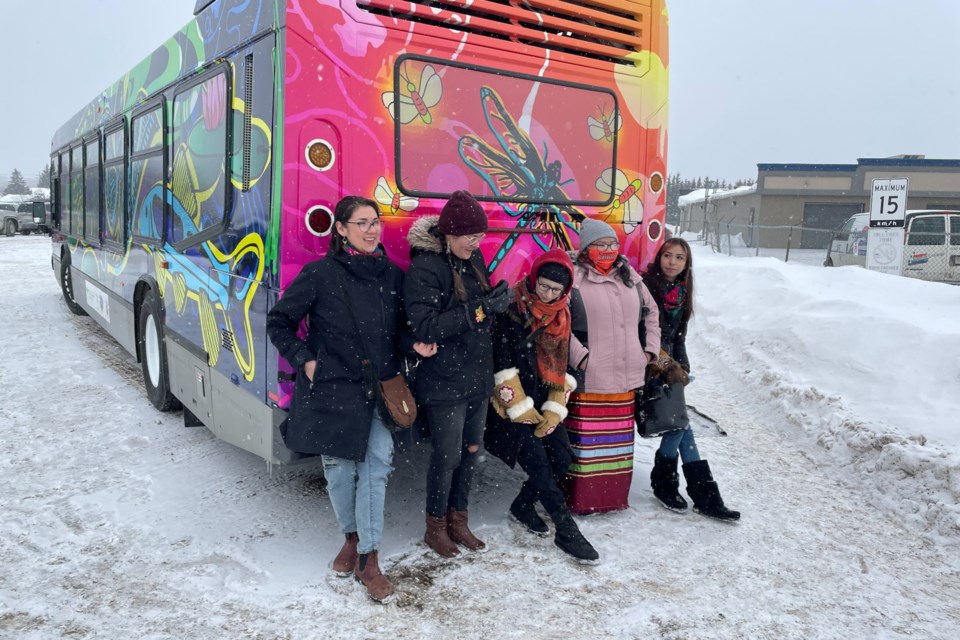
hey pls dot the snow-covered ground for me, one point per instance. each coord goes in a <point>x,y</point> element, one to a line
<point>838,388</point>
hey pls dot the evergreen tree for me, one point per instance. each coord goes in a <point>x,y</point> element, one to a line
<point>44,179</point>
<point>17,185</point>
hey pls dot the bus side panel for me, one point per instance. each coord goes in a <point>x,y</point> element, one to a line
<point>216,297</point>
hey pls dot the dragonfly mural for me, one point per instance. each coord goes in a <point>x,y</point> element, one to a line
<point>515,169</point>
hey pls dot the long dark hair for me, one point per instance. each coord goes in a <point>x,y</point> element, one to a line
<point>342,214</point>
<point>481,275</point>
<point>657,282</point>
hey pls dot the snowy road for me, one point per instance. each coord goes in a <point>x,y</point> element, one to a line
<point>120,523</point>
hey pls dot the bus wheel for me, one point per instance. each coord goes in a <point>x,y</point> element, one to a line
<point>10,228</point>
<point>153,355</point>
<point>66,285</point>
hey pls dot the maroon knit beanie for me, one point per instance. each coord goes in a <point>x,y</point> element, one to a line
<point>462,216</point>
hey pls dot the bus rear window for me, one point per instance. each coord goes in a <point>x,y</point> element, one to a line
<point>502,137</point>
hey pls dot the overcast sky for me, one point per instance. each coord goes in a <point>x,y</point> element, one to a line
<point>751,80</point>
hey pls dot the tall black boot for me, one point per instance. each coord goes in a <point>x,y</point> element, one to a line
<point>570,540</point>
<point>524,511</point>
<point>665,483</point>
<point>705,493</point>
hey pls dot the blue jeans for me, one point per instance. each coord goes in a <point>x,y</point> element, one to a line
<point>679,442</point>
<point>357,490</point>
<point>453,428</point>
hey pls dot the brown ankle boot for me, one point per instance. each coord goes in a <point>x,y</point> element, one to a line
<point>437,539</point>
<point>460,533</point>
<point>367,572</point>
<point>346,560</point>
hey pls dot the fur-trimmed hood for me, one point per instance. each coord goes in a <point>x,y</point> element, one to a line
<point>421,239</point>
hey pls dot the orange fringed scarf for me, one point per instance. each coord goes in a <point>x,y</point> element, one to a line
<point>550,322</point>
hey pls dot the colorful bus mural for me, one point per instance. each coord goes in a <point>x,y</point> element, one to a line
<point>189,193</point>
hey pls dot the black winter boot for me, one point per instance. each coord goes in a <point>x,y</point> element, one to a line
<point>570,540</point>
<point>705,493</point>
<point>665,483</point>
<point>523,511</point>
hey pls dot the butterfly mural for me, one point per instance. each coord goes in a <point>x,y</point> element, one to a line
<point>606,127</point>
<point>418,99</point>
<point>390,197</point>
<point>517,171</point>
<point>627,201</point>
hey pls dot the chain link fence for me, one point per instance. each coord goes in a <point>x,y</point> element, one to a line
<point>928,254</point>
<point>790,243</point>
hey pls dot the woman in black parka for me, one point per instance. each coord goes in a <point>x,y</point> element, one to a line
<point>333,414</point>
<point>450,303</point>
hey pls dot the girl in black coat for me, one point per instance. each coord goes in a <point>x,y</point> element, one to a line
<point>450,302</point>
<point>531,344</point>
<point>670,280</point>
<point>333,414</point>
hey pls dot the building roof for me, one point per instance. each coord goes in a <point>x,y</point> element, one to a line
<point>699,195</point>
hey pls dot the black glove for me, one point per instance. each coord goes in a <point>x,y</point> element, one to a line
<point>497,299</point>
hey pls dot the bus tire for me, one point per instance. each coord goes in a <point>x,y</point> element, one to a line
<point>153,354</point>
<point>66,285</point>
<point>10,228</point>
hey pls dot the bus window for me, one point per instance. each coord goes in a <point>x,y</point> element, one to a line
<point>200,185</point>
<point>489,103</point>
<point>76,191</point>
<point>114,189</point>
<point>146,175</point>
<point>91,187</point>
<point>63,185</point>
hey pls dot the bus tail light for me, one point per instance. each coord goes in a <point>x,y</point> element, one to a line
<point>319,221</point>
<point>320,154</point>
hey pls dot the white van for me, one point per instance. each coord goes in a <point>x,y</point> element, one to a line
<point>931,248</point>
<point>849,244</point>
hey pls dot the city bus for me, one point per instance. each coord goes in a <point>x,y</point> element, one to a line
<point>189,193</point>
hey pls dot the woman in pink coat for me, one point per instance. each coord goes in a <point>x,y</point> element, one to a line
<point>616,332</point>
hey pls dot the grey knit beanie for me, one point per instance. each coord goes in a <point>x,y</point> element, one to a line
<point>592,230</point>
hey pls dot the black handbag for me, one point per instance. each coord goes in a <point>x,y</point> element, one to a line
<point>660,408</point>
<point>393,399</point>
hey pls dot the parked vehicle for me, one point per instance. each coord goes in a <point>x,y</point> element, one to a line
<point>931,248</point>
<point>931,245</point>
<point>849,244</point>
<point>25,218</point>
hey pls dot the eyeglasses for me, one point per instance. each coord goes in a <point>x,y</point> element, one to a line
<point>365,225</point>
<point>545,288</point>
<point>474,239</point>
<point>606,246</point>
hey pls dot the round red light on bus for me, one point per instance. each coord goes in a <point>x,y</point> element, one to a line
<point>654,230</point>
<point>320,154</point>
<point>319,220</point>
<point>656,182</point>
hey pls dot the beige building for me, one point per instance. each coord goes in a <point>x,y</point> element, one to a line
<point>815,199</point>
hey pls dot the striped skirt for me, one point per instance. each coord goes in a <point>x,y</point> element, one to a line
<point>600,426</point>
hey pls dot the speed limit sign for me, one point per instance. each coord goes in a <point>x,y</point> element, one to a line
<point>888,202</point>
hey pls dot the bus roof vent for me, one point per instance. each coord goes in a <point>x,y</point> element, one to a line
<point>607,30</point>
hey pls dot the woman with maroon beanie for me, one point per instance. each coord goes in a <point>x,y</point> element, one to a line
<point>449,301</point>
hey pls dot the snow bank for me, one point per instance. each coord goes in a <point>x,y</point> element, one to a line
<point>866,364</point>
